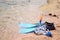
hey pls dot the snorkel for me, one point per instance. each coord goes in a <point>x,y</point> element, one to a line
<point>40,21</point>
<point>47,32</point>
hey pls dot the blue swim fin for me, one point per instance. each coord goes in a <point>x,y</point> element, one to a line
<point>26,30</point>
<point>27,25</point>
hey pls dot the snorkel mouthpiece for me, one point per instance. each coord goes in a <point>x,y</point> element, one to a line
<point>48,34</point>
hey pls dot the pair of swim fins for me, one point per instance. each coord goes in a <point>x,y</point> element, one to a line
<point>26,28</point>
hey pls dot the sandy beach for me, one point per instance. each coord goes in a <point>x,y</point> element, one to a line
<point>12,15</point>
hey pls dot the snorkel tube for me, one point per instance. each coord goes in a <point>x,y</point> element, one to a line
<point>40,21</point>
<point>41,29</point>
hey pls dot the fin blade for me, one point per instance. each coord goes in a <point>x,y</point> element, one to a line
<point>26,30</point>
<point>27,25</point>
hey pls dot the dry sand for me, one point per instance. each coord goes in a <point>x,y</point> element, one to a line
<point>11,16</point>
